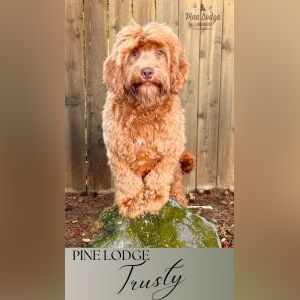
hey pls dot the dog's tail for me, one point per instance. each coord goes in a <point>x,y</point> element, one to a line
<point>187,162</point>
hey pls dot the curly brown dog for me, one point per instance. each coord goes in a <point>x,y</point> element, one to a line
<point>143,121</point>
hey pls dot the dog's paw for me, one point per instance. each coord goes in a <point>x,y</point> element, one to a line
<point>154,200</point>
<point>130,207</point>
<point>129,210</point>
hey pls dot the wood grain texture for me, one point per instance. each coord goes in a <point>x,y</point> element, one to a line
<point>190,38</point>
<point>75,171</point>
<point>167,12</point>
<point>226,124</point>
<point>209,92</point>
<point>98,173</point>
<point>143,11</point>
<point>120,14</point>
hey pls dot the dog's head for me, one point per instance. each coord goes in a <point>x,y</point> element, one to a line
<point>146,63</point>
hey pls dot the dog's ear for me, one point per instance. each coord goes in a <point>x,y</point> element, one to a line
<point>112,75</point>
<point>113,65</point>
<point>179,70</point>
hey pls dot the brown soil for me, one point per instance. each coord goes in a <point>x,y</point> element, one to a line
<point>222,214</point>
<point>82,211</point>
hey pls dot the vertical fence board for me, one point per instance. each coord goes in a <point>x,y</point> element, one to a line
<point>143,11</point>
<point>226,124</point>
<point>75,171</point>
<point>209,91</point>
<point>167,12</point>
<point>98,173</point>
<point>120,13</point>
<point>190,38</point>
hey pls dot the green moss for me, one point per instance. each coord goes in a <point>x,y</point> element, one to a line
<point>173,227</point>
<point>205,231</point>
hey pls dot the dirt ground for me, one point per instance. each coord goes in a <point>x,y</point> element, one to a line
<point>82,211</point>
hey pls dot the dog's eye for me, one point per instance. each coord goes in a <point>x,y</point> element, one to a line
<point>160,52</point>
<point>134,53</point>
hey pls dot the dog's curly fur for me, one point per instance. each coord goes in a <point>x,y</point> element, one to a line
<point>143,121</point>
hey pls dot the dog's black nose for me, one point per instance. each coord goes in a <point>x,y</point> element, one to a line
<point>147,73</point>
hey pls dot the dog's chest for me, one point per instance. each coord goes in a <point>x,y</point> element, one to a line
<point>145,137</point>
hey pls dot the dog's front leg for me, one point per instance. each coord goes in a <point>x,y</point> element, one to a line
<point>129,189</point>
<point>157,184</point>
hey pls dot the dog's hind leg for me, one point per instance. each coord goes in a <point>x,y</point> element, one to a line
<point>177,187</point>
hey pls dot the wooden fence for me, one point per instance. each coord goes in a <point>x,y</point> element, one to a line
<point>91,27</point>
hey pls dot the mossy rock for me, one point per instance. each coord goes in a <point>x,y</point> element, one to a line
<point>173,227</point>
